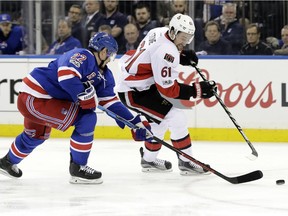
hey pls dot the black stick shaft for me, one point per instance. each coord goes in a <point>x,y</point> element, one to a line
<point>254,152</point>
<point>234,180</point>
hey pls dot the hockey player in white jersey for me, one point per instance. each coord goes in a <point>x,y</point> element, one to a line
<point>150,72</point>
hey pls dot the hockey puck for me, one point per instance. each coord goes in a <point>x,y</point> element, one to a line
<point>280,182</point>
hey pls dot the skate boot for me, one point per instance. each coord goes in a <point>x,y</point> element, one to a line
<point>158,165</point>
<point>9,169</point>
<point>190,168</point>
<point>84,174</point>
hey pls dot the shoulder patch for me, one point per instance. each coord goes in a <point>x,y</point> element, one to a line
<point>91,75</point>
<point>169,58</point>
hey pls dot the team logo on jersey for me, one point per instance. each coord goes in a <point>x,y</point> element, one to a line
<point>152,38</point>
<point>169,58</point>
<point>3,45</point>
<point>165,102</point>
<point>91,75</point>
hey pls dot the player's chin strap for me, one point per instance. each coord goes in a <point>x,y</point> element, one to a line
<point>255,175</point>
<point>102,61</point>
<point>254,153</point>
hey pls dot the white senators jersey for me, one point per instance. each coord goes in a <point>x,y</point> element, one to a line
<point>154,62</point>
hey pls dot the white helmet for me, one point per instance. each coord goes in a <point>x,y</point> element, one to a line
<point>181,23</point>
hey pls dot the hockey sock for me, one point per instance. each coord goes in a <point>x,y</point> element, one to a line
<point>150,156</point>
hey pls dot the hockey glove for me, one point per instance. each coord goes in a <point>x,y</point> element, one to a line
<point>188,57</point>
<point>88,99</point>
<point>204,89</point>
<point>143,132</point>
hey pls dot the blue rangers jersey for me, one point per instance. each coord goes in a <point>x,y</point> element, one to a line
<point>63,79</point>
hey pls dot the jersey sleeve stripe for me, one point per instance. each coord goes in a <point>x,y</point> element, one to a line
<point>34,86</point>
<point>134,59</point>
<point>139,77</point>
<point>172,91</point>
<point>65,73</point>
<point>66,77</point>
<point>107,102</point>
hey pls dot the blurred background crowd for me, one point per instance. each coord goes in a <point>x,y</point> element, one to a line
<point>222,27</point>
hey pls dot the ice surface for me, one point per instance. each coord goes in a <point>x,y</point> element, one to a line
<point>44,188</point>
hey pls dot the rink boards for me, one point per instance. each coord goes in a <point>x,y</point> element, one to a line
<point>253,89</point>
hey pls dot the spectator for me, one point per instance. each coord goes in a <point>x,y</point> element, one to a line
<point>128,7</point>
<point>164,12</point>
<point>232,31</point>
<point>131,34</point>
<point>244,22</point>
<point>215,44</point>
<point>105,28</point>
<point>65,41</point>
<point>75,15</point>
<point>254,46</point>
<point>18,20</point>
<point>212,9</point>
<point>143,21</point>
<point>274,42</point>
<point>167,9</point>
<point>92,20</point>
<point>181,6</point>
<point>116,20</point>
<point>11,37</point>
<point>284,36</point>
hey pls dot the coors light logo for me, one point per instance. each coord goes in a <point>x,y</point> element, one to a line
<point>245,92</point>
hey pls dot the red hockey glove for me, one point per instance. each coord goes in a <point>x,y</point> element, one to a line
<point>88,99</point>
<point>204,89</point>
<point>143,132</point>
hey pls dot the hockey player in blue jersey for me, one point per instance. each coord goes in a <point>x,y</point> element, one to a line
<point>66,94</point>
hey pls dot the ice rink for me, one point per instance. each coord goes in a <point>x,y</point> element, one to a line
<point>44,188</point>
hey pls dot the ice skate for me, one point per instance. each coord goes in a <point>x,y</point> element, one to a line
<point>190,168</point>
<point>158,165</point>
<point>84,175</point>
<point>9,169</point>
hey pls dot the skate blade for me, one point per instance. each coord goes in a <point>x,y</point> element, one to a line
<point>192,173</point>
<point>77,180</point>
<point>155,170</point>
<point>4,172</point>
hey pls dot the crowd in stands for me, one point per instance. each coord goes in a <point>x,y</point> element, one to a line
<point>219,28</point>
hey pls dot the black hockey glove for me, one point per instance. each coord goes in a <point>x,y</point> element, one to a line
<point>204,89</point>
<point>188,57</point>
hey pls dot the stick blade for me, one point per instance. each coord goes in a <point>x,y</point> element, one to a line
<point>247,177</point>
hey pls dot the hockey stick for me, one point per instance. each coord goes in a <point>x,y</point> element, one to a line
<point>254,154</point>
<point>252,176</point>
